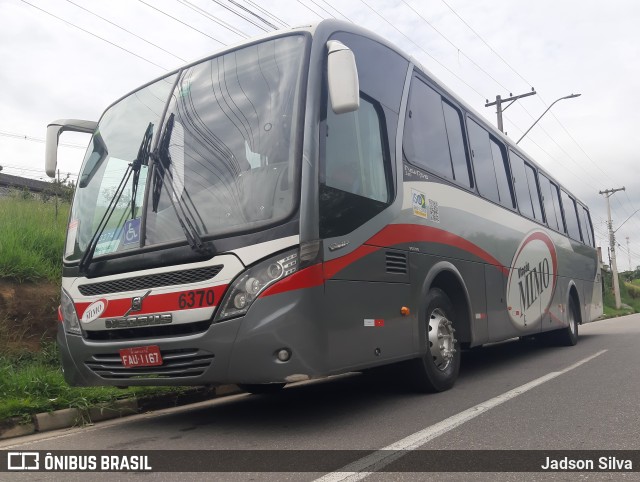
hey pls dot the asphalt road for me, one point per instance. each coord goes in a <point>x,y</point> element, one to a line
<point>510,396</point>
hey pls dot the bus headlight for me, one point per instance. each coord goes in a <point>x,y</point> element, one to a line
<point>248,286</point>
<point>69,315</point>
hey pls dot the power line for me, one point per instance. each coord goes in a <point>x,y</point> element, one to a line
<point>487,44</point>
<point>267,13</point>
<point>251,12</point>
<point>93,35</point>
<point>37,139</point>
<point>310,9</point>
<point>243,17</point>
<point>183,23</point>
<point>213,18</point>
<point>322,8</point>
<point>128,31</point>
<point>423,50</point>
<point>456,47</point>
<point>339,13</point>
<point>529,83</point>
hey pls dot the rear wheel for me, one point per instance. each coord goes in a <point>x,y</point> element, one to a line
<point>438,369</point>
<point>568,336</point>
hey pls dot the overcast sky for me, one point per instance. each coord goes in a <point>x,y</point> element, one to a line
<point>480,48</point>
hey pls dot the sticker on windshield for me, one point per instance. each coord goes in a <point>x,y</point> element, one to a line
<point>72,234</point>
<point>131,232</point>
<point>108,242</point>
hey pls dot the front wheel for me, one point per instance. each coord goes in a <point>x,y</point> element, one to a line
<point>438,369</point>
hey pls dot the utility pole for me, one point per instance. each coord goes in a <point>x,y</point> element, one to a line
<point>499,101</point>
<point>629,253</point>
<point>612,242</point>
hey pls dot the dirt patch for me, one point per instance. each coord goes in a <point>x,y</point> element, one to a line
<point>28,313</point>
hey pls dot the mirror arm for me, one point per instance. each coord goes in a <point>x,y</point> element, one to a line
<point>53,134</point>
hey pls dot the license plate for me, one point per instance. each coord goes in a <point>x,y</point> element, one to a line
<point>141,356</point>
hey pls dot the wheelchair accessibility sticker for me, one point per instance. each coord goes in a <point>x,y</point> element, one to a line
<point>131,232</point>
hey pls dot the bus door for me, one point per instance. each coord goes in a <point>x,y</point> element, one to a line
<point>365,285</point>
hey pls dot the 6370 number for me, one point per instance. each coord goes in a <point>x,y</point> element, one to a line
<point>196,299</point>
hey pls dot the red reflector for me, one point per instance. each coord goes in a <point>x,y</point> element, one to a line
<point>141,356</point>
<point>379,322</point>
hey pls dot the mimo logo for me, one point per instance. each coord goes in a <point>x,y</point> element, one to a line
<point>532,279</point>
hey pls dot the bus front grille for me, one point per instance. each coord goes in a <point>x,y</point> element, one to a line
<point>181,363</point>
<point>139,333</point>
<point>150,281</point>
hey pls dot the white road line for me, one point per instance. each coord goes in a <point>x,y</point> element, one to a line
<point>365,466</point>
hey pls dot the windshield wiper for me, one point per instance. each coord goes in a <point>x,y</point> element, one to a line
<point>163,179</point>
<point>133,167</point>
<point>141,160</point>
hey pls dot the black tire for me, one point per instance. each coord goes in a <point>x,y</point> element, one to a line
<point>261,388</point>
<point>567,336</point>
<point>438,369</point>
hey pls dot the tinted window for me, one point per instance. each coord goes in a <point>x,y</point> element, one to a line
<point>425,141</point>
<point>356,169</point>
<point>533,192</point>
<point>551,204</point>
<point>453,122</point>
<point>502,174</point>
<point>521,185</point>
<point>585,221</point>
<point>482,159</point>
<point>354,153</point>
<point>570,216</point>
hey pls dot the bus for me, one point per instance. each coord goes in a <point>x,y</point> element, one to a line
<point>309,203</point>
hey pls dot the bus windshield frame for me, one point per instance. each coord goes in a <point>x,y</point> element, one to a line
<point>225,162</point>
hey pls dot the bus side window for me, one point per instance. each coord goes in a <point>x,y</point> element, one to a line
<point>521,185</point>
<point>571,216</point>
<point>425,141</point>
<point>534,192</point>
<point>489,165</point>
<point>356,173</point>
<point>355,154</point>
<point>551,205</point>
<point>586,226</point>
<point>455,135</point>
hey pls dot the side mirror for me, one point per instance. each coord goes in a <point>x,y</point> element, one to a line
<point>342,73</point>
<point>53,134</point>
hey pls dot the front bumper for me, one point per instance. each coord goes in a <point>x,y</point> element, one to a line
<point>241,350</point>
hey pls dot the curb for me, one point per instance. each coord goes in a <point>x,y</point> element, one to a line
<point>71,417</point>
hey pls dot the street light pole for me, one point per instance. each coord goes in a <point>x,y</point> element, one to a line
<point>557,100</point>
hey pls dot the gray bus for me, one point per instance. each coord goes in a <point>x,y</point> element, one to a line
<point>309,203</point>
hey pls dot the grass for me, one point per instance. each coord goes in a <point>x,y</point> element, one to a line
<point>33,383</point>
<point>31,239</point>
<point>629,295</point>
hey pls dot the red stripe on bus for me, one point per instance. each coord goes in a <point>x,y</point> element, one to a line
<point>305,278</point>
<point>395,234</point>
<point>332,267</point>
<point>391,235</point>
<point>160,303</point>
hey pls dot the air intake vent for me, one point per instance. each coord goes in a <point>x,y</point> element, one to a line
<point>396,262</point>
<point>150,281</point>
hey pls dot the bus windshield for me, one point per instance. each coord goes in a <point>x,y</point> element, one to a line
<point>224,159</point>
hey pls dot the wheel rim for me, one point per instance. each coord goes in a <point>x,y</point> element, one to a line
<point>441,340</point>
